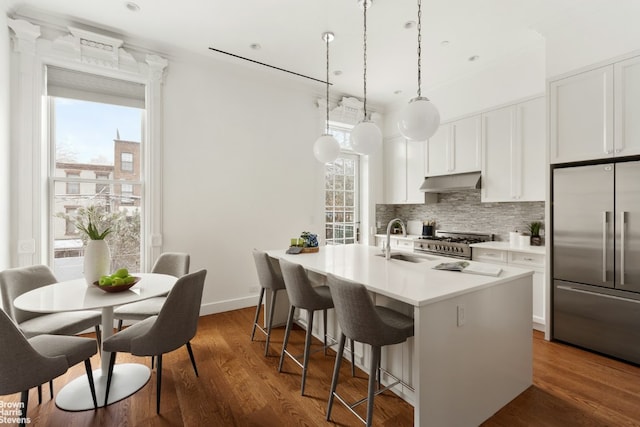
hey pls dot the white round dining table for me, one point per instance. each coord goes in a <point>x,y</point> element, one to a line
<point>74,295</point>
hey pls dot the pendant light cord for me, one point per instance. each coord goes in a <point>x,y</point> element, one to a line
<point>326,39</point>
<point>365,58</point>
<point>419,48</point>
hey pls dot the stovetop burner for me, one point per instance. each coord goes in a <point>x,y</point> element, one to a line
<point>450,243</point>
<point>467,240</point>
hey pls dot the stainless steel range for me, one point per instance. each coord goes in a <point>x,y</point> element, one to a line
<point>450,243</point>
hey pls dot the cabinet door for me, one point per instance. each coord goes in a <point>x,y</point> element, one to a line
<point>581,116</point>
<point>627,107</point>
<point>395,171</point>
<point>493,256</point>
<point>438,152</point>
<point>498,135</point>
<point>529,171</point>
<point>415,171</point>
<point>467,139</point>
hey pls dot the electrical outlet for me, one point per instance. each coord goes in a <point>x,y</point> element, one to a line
<point>254,289</point>
<point>27,246</point>
<point>462,315</point>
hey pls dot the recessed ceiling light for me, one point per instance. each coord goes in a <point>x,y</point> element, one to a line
<point>255,46</point>
<point>409,25</point>
<point>133,7</point>
<point>444,43</point>
<point>473,58</point>
<point>337,73</point>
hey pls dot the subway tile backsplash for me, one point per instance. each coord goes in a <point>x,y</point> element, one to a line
<point>463,211</point>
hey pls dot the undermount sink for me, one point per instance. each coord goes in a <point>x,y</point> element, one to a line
<point>408,257</point>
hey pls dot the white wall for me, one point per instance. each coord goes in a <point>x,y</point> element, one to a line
<point>519,76</point>
<point>4,140</point>
<point>594,31</point>
<point>239,171</point>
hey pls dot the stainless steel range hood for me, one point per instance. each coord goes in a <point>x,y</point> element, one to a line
<point>448,183</point>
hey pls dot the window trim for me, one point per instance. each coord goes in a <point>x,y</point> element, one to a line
<point>346,153</point>
<point>32,52</point>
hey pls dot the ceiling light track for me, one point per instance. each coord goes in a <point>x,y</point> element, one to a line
<point>270,66</point>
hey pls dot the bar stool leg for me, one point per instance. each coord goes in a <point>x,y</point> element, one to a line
<point>324,320</point>
<point>292,310</point>
<point>307,348</point>
<point>270,321</point>
<point>336,374</point>
<point>255,320</point>
<point>353,359</point>
<point>373,371</point>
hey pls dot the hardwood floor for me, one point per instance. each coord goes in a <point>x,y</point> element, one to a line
<point>238,386</point>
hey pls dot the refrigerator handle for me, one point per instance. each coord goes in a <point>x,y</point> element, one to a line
<point>604,246</point>
<point>622,233</point>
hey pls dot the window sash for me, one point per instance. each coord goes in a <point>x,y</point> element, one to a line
<point>342,218</point>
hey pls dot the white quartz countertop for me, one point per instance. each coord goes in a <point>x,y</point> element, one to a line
<point>506,246</point>
<point>417,284</point>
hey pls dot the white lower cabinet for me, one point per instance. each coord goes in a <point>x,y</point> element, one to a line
<point>521,258</point>
<point>396,242</point>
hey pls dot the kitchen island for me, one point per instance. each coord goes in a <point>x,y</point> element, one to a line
<point>472,349</point>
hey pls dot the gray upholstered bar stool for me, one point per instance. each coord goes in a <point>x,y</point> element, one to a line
<point>362,321</point>
<point>303,295</point>
<point>270,278</point>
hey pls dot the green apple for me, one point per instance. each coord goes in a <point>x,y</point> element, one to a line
<point>122,273</point>
<point>105,281</point>
<point>118,281</point>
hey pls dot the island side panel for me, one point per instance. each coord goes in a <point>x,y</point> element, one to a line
<point>465,374</point>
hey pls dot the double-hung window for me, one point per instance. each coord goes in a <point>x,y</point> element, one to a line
<point>342,216</point>
<point>95,125</point>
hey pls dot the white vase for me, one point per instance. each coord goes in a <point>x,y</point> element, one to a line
<point>97,260</point>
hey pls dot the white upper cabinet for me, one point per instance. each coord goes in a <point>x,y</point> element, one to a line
<point>395,171</point>
<point>513,153</point>
<point>455,148</point>
<point>593,115</point>
<point>532,131</point>
<point>467,143</point>
<point>498,138</point>
<point>403,171</point>
<point>627,107</point>
<point>581,116</point>
<point>437,153</point>
<point>415,171</point>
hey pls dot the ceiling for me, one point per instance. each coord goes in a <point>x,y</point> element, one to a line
<point>290,34</point>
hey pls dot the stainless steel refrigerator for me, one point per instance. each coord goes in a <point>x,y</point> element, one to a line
<point>596,257</point>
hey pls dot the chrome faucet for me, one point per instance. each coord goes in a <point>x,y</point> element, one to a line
<point>387,249</point>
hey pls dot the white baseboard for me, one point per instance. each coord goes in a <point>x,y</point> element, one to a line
<point>228,305</point>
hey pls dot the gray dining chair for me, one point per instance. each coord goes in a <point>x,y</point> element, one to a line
<point>173,327</point>
<point>172,263</point>
<point>362,321</point>
<point>27,363</point>
<point>17,281</point>
<point>270,277</point>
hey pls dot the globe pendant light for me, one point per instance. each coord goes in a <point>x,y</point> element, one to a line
<point>326,148</point>
<point>420,119</point>
<point>366,137</point>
